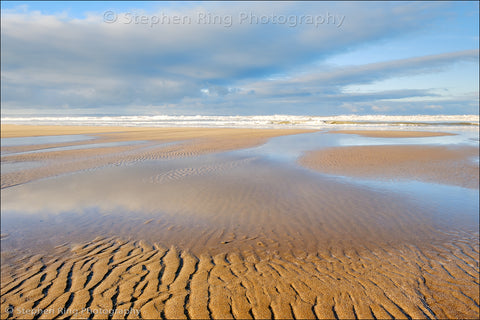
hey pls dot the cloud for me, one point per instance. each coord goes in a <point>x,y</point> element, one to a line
<point>331,78</point>
<point>434,107</point>
<point>382,109</point>
<point>51,61</point>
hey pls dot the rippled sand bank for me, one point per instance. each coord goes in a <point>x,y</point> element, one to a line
<point>448,165</point>
<point>154,282</point>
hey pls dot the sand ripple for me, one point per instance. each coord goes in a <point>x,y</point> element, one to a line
<point>151,281</point>
<point>439,164</point>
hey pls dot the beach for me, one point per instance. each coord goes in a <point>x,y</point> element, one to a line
<point>198,223</point>
<point>225,160</point>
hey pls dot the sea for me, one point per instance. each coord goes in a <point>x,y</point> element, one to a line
<point>255,121</point>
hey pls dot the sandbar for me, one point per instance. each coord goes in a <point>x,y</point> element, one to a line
<point>438,164</point>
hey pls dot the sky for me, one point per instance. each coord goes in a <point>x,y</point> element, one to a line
<point>239,58</point>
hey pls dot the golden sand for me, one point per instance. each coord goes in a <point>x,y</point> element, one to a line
<point>448,165</point>
<point>191,142</point>
<point>157,282</point>
<point>140,133</point>
<point>237,238</point>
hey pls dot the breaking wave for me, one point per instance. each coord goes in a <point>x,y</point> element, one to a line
<point>268,121</point>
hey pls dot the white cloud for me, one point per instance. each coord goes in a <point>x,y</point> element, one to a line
<point>434,107</point>
<point>50,61</point>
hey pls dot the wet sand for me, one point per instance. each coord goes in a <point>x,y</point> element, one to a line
<point>394,133</point>
<point>438,164</point>
<point>154,281</point>
<point>183,231</point>
<point>183,142</point>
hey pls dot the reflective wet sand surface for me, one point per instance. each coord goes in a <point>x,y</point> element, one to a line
<point>439,164</point>
<point>161,231</point>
